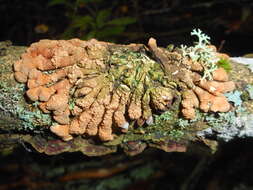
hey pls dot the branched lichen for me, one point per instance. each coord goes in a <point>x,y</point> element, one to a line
<point>203,53</point>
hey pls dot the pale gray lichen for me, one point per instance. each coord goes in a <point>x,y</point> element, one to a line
<point>234,97</point>
<point>203,53</point>
<point>33,120</point>
<point>249,89</point>
<point>240,127</point>
<point>183,122</point>
<point>247,123</point>
<point>226,125</point>
<point>12,104</point>
<point>235,123</point>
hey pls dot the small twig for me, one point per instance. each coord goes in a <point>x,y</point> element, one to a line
<point>190,182</point>
<point>23,144</point>
<point>221,45</point>
<point>100,172</point>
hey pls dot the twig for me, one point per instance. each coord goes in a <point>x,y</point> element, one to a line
<point>100,172</point>
<point>190,182</point>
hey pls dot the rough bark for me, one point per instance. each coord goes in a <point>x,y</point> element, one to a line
<point>21,121</point>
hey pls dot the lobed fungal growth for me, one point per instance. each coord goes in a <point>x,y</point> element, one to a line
<point>96,89</point>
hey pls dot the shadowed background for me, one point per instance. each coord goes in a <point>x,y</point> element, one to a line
<point>229,23</point>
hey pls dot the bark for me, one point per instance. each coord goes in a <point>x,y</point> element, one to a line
<point>21,122</point>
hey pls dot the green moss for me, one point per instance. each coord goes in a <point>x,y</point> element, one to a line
<point>225,64</point>
<point>176,134</point>
<point>164,127</point>
<point>131,67</point>
<point>170,47</point>
<point>71,103</point>
<point>134,136</point>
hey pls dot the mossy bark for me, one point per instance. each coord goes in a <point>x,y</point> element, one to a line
<point>15,110</point>
<point>22,121</point>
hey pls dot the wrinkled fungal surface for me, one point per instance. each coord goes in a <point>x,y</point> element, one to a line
<point>100,89</point>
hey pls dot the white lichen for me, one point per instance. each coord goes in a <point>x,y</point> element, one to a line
<point>203,53</point>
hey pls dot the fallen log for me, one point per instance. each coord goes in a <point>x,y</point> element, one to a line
<point>96,97</point>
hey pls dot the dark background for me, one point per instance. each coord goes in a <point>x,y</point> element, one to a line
<point>228,22</point>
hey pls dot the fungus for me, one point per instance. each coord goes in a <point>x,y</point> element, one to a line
<point>189,103</point>
<point>204,92</point>
<point>61,131</point>
<point>95,88</point>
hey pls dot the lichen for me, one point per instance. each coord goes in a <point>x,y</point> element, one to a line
<point>203,53</point>
<point>168,119</point>
<point>33,120</point>
<point>235,123</point>
<point>16,114</point>
<point>235,97</point>
<point>230,125</point>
